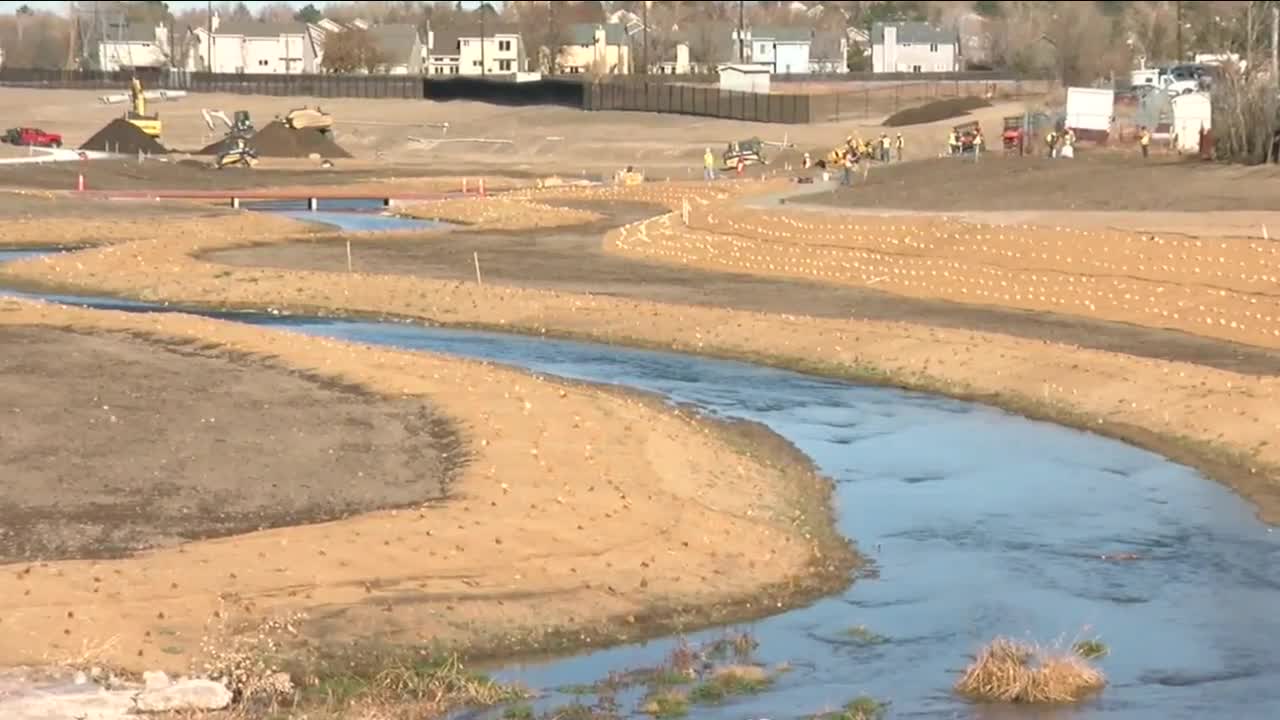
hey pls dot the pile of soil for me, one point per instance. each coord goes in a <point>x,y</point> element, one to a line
<point>935,111</point>
<point>122,136</point>
<point>278,140</point>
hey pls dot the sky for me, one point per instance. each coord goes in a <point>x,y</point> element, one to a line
<point>8,6</point>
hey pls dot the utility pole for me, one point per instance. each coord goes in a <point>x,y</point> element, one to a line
<point>644,51</point>
<point>1178,6</point>
<point>742,38</point>
<point>483,69</point>
<point>1248,36</point>
<point>208,52</point>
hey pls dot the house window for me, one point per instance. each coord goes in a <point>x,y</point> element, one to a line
<point>504,45</point>
<point>475,63</point>
<point>504,65</point>
<point>464,43</point>
<point>933,47</point>
<point>915,68</point>
<point>453,70</point>
<point>262,63</point>
<point>762,48</point>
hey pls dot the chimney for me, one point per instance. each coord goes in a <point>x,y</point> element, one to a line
<point>216,21</point>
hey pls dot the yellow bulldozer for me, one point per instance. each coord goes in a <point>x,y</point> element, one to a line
<point>137,114</point>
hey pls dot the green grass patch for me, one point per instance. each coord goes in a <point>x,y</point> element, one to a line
<point>666,704</point>
<point>863,707</point>
<point>729,683</point>
<point>1090,649</point>
<point>862,635</point>
<point>518,712</point>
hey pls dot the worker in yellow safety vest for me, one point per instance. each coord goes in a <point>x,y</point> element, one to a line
<point>899,144</point>
<point>1051,142</point>
<point>953,143</point>
<point>708,165</point>
<point>1144,139</point>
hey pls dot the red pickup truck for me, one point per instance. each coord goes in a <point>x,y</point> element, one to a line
<point>32,136</point>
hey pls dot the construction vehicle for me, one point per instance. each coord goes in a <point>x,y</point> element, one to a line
<point>1013,137</point>
<point>965,133</point>
<point>305,117</point>
<point>751,151</point>
<point>137,114</point>
<point>31,136</point>
<point>241,125</point>
<point>237,154</point>
<point>628,177</point>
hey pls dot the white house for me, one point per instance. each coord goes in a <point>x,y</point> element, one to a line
<point>603,49</point>
<point>246,46</point>
<point>132,46</point>
<point>829,52</point>
<point>785,50</point>
<point>913,47</point>
<point>495,49</point>
<point>745,77</point>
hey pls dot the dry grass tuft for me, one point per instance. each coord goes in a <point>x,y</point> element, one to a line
<point>1007,670</point>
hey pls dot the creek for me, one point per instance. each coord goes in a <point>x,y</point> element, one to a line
<point>979,523</point>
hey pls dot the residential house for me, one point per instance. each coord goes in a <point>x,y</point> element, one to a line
<point>745,77</point>
<point>784,49</point>
<point>603,49</point>
<point>401,48</point>
<point>829,52</point>
<point>129,45</point>
<point>700,48</point>
<point>913,47</point>
<point>1,57</point>
<point>247,46</point>
<point>492,49</point>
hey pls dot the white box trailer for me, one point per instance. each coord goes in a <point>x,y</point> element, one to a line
<point>1090,111</point>
<point>1192,113</point>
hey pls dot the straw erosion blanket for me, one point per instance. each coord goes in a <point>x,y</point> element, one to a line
<point>580,512</point>
<point>1221,421</point>
<point>1218,288</point>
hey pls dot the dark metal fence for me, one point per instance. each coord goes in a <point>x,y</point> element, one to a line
<point>316,85</point>
<point>832,99</point>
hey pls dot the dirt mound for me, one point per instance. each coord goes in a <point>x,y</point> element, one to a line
<point>278,140</point>
<point>122,136</point>
<point>935,111</point>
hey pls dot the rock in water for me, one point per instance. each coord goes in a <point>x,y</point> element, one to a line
<point>184,695</point>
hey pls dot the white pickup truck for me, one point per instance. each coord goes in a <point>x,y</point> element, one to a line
<point>1178,80</point>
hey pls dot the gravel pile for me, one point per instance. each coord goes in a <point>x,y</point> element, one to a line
<point>935,111</point>
<point>122,136</point>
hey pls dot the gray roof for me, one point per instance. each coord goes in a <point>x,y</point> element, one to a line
<point>396,42</point>
<point>826,45</point>
<point>780,33</point>
<point>131,32</point>
<point>915,33</point>
<point>585,33</point>
<point>253,28</point>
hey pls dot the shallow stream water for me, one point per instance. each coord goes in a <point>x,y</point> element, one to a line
<point>980,523</point>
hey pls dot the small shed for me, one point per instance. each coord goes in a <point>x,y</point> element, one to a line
<point>1192,113</point>
<point>745,78</point>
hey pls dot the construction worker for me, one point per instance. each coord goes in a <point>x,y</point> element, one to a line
<point>848,169</point>
<point>953,143</point>
<point>885,144</point>
<point>899,144</point>
<point>1144,139</point>
<point>808,163</point>
<point>977,144</point>
<point>742,165</point>
<point>708,165</point>
<point>1051,142</point>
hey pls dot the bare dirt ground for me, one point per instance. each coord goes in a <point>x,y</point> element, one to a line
<point>578,511</point>
<point>572,259</point>
<point>535,139</point>
<point>1221,420</point>
<point>123,444</point>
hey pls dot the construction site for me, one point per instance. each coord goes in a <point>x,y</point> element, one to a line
<point>311,403</point>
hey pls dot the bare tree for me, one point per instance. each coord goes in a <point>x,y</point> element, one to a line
<point>351,50</point>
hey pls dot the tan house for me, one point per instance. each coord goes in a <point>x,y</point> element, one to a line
<point>603,49</point>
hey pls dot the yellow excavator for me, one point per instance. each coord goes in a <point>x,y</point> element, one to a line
<point>149,124</point>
